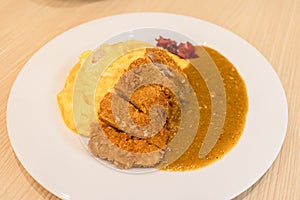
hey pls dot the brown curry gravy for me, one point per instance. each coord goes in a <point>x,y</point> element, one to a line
<point>236,111</point>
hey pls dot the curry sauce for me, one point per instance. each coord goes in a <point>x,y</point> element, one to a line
<point>236,111</point>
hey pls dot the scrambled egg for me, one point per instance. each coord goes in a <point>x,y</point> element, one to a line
<point>105,84</point>
<point>65,96</point>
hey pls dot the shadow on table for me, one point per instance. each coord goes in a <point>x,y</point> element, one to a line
<point>64,3</point>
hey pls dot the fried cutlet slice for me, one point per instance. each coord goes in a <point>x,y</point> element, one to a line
<point>149,95</point>
<point>102,147</point>
<point>106,115</point>
<point>160,139</point>
<point>124,150</point>
<point>127,151</point>
<point>142,71</point>
<point>160,56</point>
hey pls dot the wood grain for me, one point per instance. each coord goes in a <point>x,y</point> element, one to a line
<point>272,26</point>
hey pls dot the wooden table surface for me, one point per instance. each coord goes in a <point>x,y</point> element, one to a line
<point>272,26</point>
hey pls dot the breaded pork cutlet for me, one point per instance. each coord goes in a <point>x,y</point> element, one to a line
<point>119,147</point>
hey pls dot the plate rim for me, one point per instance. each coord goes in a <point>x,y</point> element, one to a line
<point>18,154</point>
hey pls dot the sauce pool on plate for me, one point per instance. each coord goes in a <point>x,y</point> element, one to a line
<point>236,111</point>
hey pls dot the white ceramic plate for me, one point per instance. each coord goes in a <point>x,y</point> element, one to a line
<point>56,158</point>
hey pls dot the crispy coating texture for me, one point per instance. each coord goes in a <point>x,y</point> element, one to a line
<point>127,151</point>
